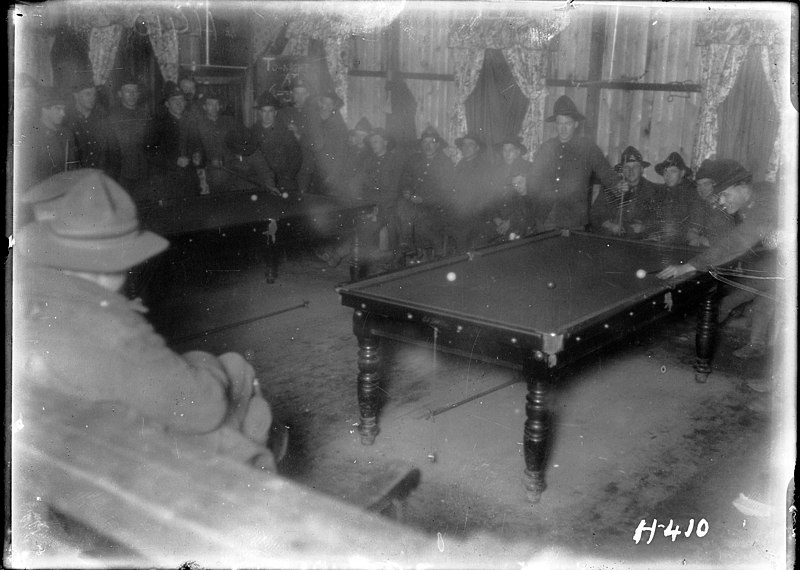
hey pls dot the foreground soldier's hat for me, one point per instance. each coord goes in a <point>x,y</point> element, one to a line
<point>731,173</point>
<point>431,133</point>
<point>630,154</point>
<point>51,96</point>
<point>516,141</point>
<point>363,125</point>
<point>171,90</point>
<point>674,159</point>
<point>565,106</point>
<point>473,137</point>
<point>716,169</point>
<point>267,99</point>
<point>83,80</point>
<point>129,80</point>
<point>92,226</point>
<point>337,101</point>
<point>42,197</point>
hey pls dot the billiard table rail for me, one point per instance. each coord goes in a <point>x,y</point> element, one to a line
<point>395,307</point>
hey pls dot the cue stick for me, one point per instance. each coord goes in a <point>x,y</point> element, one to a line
<point>246,179</point>
<point>436,412</point>
<point>239,323</point>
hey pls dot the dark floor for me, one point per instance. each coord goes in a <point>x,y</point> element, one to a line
<point>635,437</point>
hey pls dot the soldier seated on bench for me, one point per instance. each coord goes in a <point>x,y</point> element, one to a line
<point>78,336</point>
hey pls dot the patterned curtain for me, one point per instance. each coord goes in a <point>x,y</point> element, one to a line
<point>468,64</point>
<point>772,57</point>
<point>724,42</point>
<point>524,39</point>
<point>337,55</point>
<point>719,68</point>
<point>164,41</point>
<point>103,44</point>
<point>529,68</point>
<point>335,36</point>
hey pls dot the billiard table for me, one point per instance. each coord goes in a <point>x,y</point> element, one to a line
<point>256,213</point>
<point>537,304</point>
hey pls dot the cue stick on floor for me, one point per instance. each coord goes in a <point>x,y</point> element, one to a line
<point>239,323</point>
<point>433,413</point>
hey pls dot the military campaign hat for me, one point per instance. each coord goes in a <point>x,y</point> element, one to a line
<point>630,154</point>
<point>674,159</point>
<point>565,106</point>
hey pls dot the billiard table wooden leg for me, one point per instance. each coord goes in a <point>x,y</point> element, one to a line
<point>537,428</point>
<point>705,335</point>
<point>357,268</point>
<point>271,251</point>
<point>369,372</point>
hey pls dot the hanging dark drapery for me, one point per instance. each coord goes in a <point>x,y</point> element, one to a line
<point>497,106</point>
<point>523,38</point>
<point>747,131</point>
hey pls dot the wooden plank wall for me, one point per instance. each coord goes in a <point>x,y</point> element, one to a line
<point>423,49</point>
<point>645,44</point>
<point>366,96</point>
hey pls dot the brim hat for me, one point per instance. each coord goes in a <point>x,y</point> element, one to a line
<point>473,137</point>
<point>129,80</point>
<point>630,154</point>
<point>83,80</point>
<point>565,106</point>
<point>240,141</point>
<point>431,133</point>
<point>731,173</point>
<point>363,125</point>
<point>42,196</point>
<point>205,94</point>
<point>93,227</point>
<point>337,101</point>
<point>715,169</point>
<point>383,133</point>
<point>267,99</point>
<point>674,159</point>
<point>51,96</point>
<point>171,90</point>
<point>514,141</point>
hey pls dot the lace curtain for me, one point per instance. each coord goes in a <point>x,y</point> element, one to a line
<point>719,68</point>
<point>772,55</point>
<point>524,40</point>
<point>468,64</point>
<point>724,45</point>
<point>337,56</point>
<point>529,68</point>
<point>103,45</point>
<point>164,41</point>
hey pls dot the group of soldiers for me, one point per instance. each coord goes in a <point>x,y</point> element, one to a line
<point>430,199</point>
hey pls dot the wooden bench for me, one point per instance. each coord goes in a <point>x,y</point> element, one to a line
<point>145,498</point>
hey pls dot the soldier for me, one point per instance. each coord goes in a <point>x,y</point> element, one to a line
<point>628,209</point>
<point>330,153</point>
<point>513,212</point>
<point>421,209</point>
<point>562,170</point>
<point>173,148</point>
<point>97,144</point>
<point>672,201</point>
<point>131,124</point>
<point>469,194</point>
<point>49,147</point>
<point>211,130</point>
<point>707,219</point>
<point>277,144</point>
